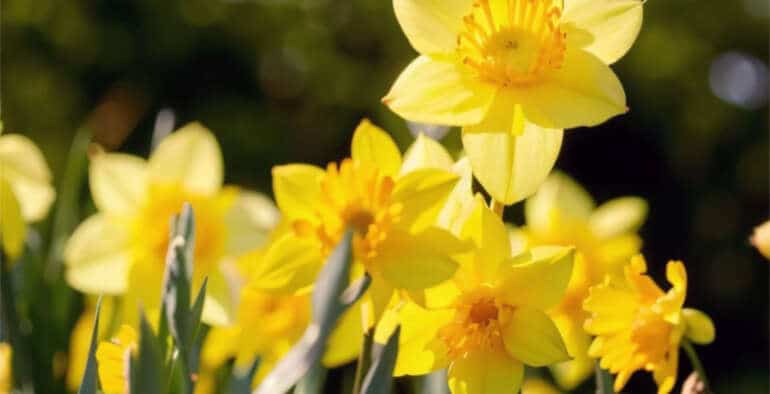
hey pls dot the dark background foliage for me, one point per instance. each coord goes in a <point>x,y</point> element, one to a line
<point>287,80</point>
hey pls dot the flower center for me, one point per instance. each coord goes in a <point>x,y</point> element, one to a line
<point>512,42</point>
<point>151,227</point>
<point>358,196</point>
<point>651,335</point>
<point>476,326</point>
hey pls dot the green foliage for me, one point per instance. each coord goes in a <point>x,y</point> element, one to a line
<point>90,382</point>
<point>380,376</point>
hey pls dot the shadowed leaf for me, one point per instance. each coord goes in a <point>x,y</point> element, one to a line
<point>90,382</point>
<point>380,376</point>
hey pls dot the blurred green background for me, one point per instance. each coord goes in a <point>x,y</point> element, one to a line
<point>287,80</point>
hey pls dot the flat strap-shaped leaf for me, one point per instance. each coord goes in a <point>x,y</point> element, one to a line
<point>90,382</point>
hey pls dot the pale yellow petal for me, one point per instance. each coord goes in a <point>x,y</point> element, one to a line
<point>421,195</point>
<point>559,205</point>
<point>531,337</point>
<point>297,188</point>
<point>431,26</point>
<point>97,257</point>
<point>346,341</point>
<point>490,236</point>
<point>189,157</point>
<point>583,92</point>
<point>373,146</point>
<point>24,167</point>
<point>511,167</point>
<point>606,28</point>
<point>420,349</point>
<point>439,92</point>
<point>414,262</point>
<point>503,116</point>
<point>460,202</point>
<point>289,264</point>
<point>219,305</point>
<point>485,373</point>
<point>761,239</point>
<point>426,152</point>
<point>570,374</point>
<point>618,216</point>
<point>541,282</point>
<point>249,222</point>
<point>13,229</point>
<point>118,182</point>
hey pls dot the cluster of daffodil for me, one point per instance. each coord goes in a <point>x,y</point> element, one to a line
<point>470,293</point>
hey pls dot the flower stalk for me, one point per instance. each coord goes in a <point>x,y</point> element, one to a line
<point>696,363</point>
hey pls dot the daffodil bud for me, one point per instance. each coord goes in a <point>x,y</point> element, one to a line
<point>698,326</point>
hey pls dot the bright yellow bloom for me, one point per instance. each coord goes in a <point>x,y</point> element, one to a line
<point>26,193</point>
<point>112,358</point>
<point>392,215</point>
<point>761,239</point>
<point>6,376</point>
<point>563,213</point>
<point>513,73</point>
<point>121,249</point>
<point>489,320</point>
<point>268,324</point>
<point>538,386</point>
<point>639,326</point>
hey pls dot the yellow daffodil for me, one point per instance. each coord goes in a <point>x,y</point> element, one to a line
<point>112,358</point>
<point>563,213</point>
<point>639,326</point>
<point>761,239</point>
<point>392,214</point>
<point>6,376</point>
<point>121,249</point>
<point>26,193</point>
<point>489,320</point>
<point>268,324</point>
<point>513,73</point>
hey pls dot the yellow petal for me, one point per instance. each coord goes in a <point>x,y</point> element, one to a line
<point>510,167</point>
<point>418,261</point>
<point>503,116</point>
<point>438,92</point>
<point>189,157</point>
<point>422,194</point>
<point>612,308</point>
<point>346,341</point>
<point>606,28</point>
<point>618,216</point>
<point>460,202</point>
<point>426,152</point>
<point>289,264</point>
<point>490,236</point>
<point>583,92</point>
<point>13,229</point>
<point>698,326</point>
<point>541,282</point>
<point>432,26</point>
<point>219,305</point>
<point>420,349</point>
<point>297,188</point>
<point>538,386</point>
<point>761,239</point>
<point>24,168</point>
<point>373,145</point>
<point>485,373</point>
<point>118,182</point>
<point>440,296</point>
<point>570,374</point>
<point>249,222</point>
<point>531,337</point>
<point>97,257</point>
<point>559,204</point>
<point>6,373</point>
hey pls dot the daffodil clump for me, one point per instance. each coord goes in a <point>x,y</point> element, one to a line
<point>638,326</point>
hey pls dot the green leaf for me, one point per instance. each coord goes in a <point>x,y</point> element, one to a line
<point>435,383</point>
<point>241,378</point>
<point>330,300</point>
<point>313,381</point>
<point>90,382</point>
<point>604,381</point>
<point>380,376</point>
<point>146,371</point>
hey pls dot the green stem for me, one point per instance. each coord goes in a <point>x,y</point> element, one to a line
<point>603,380</point>
<point>696,364</point>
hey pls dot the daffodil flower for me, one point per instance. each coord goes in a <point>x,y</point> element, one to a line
<point>26,193</point>
<point>489,320</point>
<point>513,73</point>
<point>113,358</point>
<point>121,249</point>
<point>564,213</point>
<point>392,214</point>
<point>638,326</point>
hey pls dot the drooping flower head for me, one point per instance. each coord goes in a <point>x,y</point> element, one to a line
<point>638,326</point>
<point>113,360</point>
<point>391,213</point>
<point>489,320</point>
<point>513,74</point>
<point>604,237</point>
<point>26,193</point>
<point>121,249</point>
